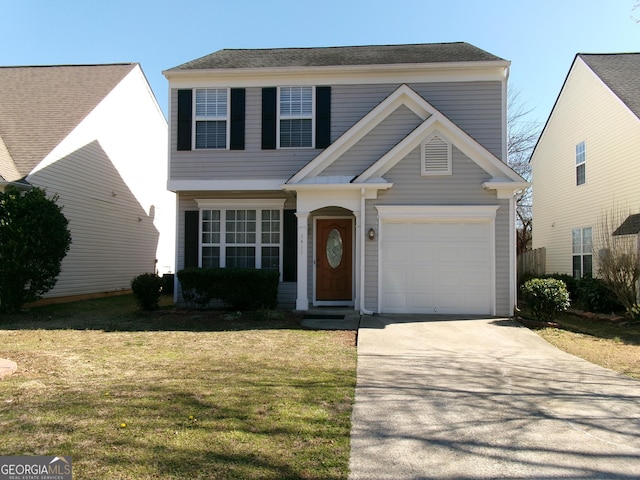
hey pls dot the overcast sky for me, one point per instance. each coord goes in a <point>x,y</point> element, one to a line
<point>539,37</point>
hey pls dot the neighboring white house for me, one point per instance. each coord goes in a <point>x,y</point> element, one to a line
<point>372,177</point>
<point>95,136</point>
<point>585,164</point>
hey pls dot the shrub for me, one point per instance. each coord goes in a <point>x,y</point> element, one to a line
<point>198,286</point>
<point>570,282</point>
<point>595,296</point>
<point>239,289</point>
<point>146,290</point>
<point>545,297</point>
<point>34,238</point>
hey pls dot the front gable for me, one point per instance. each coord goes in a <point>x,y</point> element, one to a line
<point>418,125</point>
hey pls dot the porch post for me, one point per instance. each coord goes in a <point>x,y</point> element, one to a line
<point>302,300</point>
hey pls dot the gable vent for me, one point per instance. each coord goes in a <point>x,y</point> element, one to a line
<point>436,156</point>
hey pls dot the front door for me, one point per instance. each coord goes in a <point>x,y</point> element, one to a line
<point>334,269</point>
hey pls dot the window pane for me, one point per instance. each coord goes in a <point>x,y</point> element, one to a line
<point>211,134</point>
<point>296,101</point>
<point>586,240</point>
<point>241,257</point>
<point>211,102</point>
<point>577,265</point>
<point>580,153</point>
<point>295,133</point>
<point>576,240</point>
<point>210,226</point>
<point>271,258</point>
<point>211,257</point>
<point>587,266</point>
<point>580,174</point>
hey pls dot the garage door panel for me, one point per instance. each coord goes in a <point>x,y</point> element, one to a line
<point>442,267</point>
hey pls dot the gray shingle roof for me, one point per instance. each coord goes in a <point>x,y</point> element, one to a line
<point>340,56</point>
<point>41,105</point>
<point>630,226</point>
<point>620,72</point>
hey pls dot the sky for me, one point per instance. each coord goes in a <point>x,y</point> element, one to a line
<point>539,37</point>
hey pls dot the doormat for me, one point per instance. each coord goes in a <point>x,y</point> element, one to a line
<point>319,316</point>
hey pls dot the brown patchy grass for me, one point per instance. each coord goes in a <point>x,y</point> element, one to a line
<point>616,347</point>
<point>176,394</point>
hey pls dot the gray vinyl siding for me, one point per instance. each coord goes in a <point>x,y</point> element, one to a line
<point>474,106</point>
<point>113,238</point>
<point>463,187</point>
<point>375,144</point>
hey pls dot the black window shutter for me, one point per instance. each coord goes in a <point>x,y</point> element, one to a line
<point>269,118</point>
<point>237,118</point>
<point>191,227</point>
<point>184,119</point>
<point>289,243</point>
<point>323,117</point>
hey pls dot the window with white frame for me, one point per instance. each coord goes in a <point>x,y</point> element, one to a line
<point>582,247</point>
<point>211,118</point>
<point>295,117</point>
<point>241,238</point>
<point>436,155</point>
<point>581,159</point>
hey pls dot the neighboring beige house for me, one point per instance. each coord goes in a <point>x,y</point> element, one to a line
<point>95,136</point>
<point>373,177</point>
<point>585,164</point>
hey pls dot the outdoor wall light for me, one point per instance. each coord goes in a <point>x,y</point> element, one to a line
<point>371,234</point>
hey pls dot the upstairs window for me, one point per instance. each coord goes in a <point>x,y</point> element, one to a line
<point>581,242</point>
<point>581,158</point>
<point>211,118</point>
<point>436,156</point>
<point>296,117</point>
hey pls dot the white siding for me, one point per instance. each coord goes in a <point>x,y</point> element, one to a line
<point>110,174</point>
<point>587,111</point>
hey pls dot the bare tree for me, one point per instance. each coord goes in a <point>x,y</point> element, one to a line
<point>615,249</point>
<point>522,136</point>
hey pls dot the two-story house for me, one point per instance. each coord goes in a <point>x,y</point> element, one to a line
<point>584,164</point>
<point>95,136</point>
<point>369,176</point>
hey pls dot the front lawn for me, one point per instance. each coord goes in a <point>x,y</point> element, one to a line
<point>174,394</point>
<point>616,347</point>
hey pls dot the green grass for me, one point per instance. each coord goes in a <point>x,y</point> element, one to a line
<point>174,394</point>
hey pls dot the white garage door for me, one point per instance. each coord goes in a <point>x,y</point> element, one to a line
<point>436,267</point>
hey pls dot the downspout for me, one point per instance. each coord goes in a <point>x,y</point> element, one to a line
<point>363,310</point>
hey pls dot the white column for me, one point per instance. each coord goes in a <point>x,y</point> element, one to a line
<point>302,300</point>
<point>359,259</point>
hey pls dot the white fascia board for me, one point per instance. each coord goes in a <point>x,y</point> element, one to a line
<point>224,185</point>
<point>403,95</point>
<point>345,75</point>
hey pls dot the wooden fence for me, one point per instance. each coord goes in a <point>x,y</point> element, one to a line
<point>533,261</point>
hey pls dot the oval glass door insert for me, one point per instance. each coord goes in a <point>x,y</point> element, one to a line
<point>334,248</point>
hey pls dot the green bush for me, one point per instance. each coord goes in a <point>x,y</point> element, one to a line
<point>545,297</point>
<point>595,296</point>
<point>34,238</point>
<point>146,290</point>
<point>199,286</point>
<point>238,289</point>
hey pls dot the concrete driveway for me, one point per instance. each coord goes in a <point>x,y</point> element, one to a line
<point>441,398</point>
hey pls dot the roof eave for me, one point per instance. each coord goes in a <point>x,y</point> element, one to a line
<point>433,66</point>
